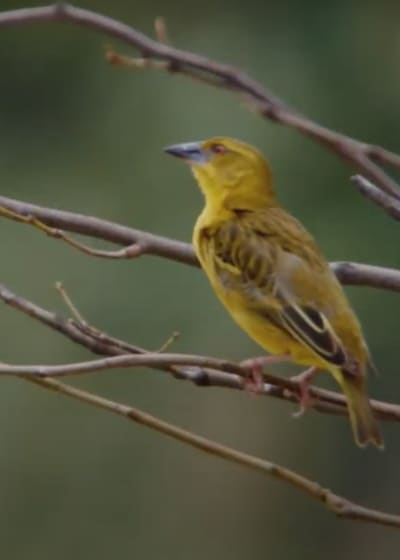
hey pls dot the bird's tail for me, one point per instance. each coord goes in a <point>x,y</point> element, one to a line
<point>364,425</point>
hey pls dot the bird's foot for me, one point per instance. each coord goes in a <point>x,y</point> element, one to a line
<point>254,382</point>
<point>303,381</point>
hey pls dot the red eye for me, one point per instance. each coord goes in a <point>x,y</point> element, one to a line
<point>218,149</point>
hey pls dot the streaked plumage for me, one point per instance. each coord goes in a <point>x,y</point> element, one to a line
<point>269,273</point>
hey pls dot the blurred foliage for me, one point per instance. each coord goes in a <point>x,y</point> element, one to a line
<point>80,135</point>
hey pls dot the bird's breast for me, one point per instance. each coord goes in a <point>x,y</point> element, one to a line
<point>236,294</point>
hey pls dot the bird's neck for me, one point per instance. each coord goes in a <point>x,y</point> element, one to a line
<point>214,213</point>
<point>223,206</point>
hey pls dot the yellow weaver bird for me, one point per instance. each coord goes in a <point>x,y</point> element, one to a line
<point>271,276</point>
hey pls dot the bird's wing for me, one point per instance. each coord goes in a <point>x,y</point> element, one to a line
<point>312,328</point>
<point>284,279</point>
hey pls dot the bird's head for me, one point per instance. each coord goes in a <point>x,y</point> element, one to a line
<point>229,172</point>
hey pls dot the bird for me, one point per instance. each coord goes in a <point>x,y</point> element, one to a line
<point>269,273</point>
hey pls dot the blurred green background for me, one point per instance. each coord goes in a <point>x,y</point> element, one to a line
<point>80,135</point>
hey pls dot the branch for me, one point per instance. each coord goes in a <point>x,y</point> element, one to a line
<point>381,199</point>
<point>203,370</point>
<point>340,506</point>
<point>337,504</point>
<point>148,243</point>
<point>360,154</point>
<point>139,242</point>
<point>359,274</point>
<point>147,359</point>
<point>101,343</point>
<point>170,362</point>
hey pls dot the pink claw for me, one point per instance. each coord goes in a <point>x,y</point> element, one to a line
<point>303,381</point>
<point>254,383</point>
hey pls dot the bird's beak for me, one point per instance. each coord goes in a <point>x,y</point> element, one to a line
<point>189,151</point>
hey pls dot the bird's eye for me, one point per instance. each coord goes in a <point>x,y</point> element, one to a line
<point>218,149</point>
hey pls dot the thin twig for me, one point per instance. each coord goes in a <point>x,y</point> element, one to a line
<point>149,244</point>
<point>160,27</point>
<point>169,342</point>
<point>149,359</point>
<point>140,63</point>
<point>378,197</point>
<point>70,305</point>
<point>339,505</point>
<point>131,251</point>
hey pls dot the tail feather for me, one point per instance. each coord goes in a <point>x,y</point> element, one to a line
<point>364,425</point>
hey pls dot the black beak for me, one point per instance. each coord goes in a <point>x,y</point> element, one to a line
<point>189,151</point>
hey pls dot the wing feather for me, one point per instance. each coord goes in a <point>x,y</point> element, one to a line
<point>247,258</point>
<point>313,329</point>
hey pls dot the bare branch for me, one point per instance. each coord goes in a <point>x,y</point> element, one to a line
<point>378,197</point>
<point>339,505</point>
<point>171,362</point>
<point>100,343</point>
<point>101,229</point>
<point>198,369</point>
<point>127,361</point>
<point>359,154</point>
<point>143,243</point>
<point>359,274</point>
